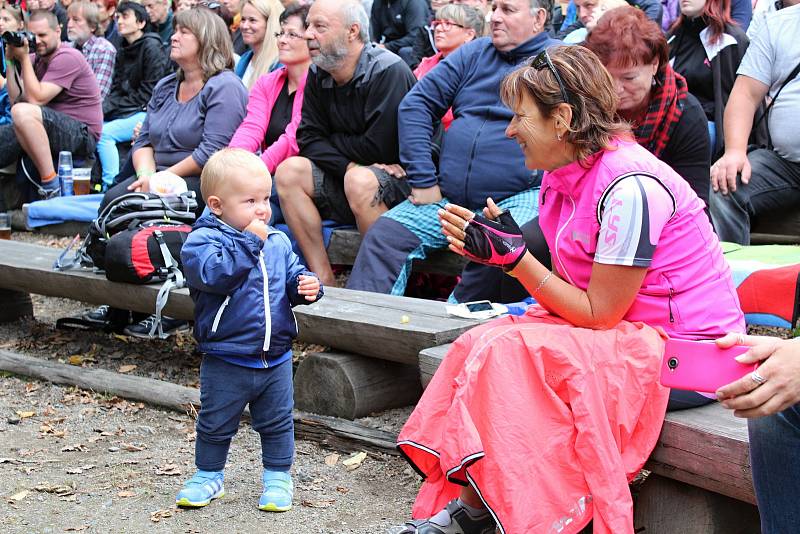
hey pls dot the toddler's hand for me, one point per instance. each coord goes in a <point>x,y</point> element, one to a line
<point>258,227</point>
<point>308,286</point>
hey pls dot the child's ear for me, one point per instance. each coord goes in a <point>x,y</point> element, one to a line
<point>214,204</point>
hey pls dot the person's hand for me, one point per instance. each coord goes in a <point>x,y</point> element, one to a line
<point>394,169</point>
<point>495,241</point>
<point>425,195</point>
<point>308,286</point>
<point>726,168</point>
<point>258,227</point>
<point>142,183</point>
<point>18,52</point>
<point>780,369</point>
<point>136,131</point>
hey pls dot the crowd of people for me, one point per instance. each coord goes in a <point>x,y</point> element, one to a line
<point>592,158</point>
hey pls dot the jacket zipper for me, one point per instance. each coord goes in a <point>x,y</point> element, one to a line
<point>669,303</point>
<point>471,159</point>
<point>267,316</point>
<point>218,316</point>
<point>558,235</point>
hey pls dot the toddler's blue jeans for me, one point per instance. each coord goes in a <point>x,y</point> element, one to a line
<point>225,390</point>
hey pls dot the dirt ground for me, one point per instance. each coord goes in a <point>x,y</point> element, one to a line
<point>76,461</point>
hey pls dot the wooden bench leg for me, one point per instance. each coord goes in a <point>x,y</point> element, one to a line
<point>14,305</point>
<point>666,506</point>
<point>351,386</point>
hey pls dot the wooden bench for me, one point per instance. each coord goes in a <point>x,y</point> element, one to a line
<point>700,470</point>
<point>384,327</point>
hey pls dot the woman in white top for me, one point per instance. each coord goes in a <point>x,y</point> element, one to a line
<point>258,25</point>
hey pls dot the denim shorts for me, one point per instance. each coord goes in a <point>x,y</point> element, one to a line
<point>332,203</point>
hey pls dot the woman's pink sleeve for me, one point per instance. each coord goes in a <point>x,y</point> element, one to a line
<point>286,145</point>
<point>250,134</point>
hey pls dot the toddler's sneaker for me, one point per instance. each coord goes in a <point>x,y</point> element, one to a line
<point>201,489</point>
<point>278,492</point>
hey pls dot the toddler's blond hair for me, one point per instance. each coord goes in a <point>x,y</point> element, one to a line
<point>221,167</point>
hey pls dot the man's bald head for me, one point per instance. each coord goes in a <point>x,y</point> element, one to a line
<point>346,12</point>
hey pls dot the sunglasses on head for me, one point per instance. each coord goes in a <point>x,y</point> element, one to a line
<point>543,61</point>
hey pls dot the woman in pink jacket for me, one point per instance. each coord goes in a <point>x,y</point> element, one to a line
<point>273,110</point>
<point>537,423</point>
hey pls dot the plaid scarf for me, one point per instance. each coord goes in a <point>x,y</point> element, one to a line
<point>663,112</point>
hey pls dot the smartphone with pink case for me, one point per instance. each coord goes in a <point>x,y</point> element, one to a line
<point>701,365</point>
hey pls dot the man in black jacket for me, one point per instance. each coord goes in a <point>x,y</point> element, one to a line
<point>348,167</point>
<point>395,23</point>
<point>140,63</point>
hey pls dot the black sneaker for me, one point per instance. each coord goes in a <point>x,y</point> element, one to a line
<point>458,522</point>
<point>143,328</point>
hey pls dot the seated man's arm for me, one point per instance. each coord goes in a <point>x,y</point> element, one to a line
<point>314,132</point>
<point>378,142</point>
<point>420,110</point>
<point>32,91</point>
<point>745,98</point>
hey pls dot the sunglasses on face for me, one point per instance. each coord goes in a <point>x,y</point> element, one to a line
<point>543,61</point>
<point>445,24</point>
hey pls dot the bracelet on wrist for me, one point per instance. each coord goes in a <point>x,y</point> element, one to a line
<point>542,283</point>
<point>145,172</point>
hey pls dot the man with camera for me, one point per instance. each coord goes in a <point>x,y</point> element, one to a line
<point>55,98</point>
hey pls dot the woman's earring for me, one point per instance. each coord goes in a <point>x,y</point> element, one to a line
<point>558,136</point>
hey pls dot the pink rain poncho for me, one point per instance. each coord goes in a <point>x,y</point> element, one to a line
<point>548,422</point>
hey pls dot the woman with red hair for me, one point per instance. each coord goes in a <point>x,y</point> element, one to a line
<point>706,47</point>
<point>666,119</point>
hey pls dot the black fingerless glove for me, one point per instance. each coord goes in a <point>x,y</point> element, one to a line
<point>498,242</point>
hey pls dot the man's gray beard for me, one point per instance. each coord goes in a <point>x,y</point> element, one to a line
<point>333,60</point>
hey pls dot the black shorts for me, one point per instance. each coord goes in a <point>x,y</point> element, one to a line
<point>332,203</point>
<point>66,133</point>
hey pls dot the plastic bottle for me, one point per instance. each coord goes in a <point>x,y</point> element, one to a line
<point>65,172</point>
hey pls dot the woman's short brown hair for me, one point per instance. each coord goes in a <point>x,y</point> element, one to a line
<point>216,48</point>
<point>589,87</point>
<point>624,37</point>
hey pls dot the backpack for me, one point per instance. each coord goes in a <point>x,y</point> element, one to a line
<point>137,239</point>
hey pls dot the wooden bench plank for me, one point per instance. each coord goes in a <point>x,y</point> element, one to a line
<point>429,360</point>
<point>354,321</point>
<point>706,447</point>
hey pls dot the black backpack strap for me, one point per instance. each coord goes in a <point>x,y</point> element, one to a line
<point>792,76</point>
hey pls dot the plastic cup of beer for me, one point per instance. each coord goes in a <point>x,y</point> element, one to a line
<point>5,225</point>
<point>81,181</point>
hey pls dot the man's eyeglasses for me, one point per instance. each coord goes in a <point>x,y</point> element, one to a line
<point>445,24</point>
<point>289,35</point>
<point>543,61</point>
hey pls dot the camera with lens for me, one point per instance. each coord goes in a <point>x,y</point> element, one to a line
<point>17,39</point>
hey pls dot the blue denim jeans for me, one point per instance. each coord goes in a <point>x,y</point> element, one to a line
<point>115,132</point>
<point>775,462</point>
<point>774,188</point>
<point>225,390</point>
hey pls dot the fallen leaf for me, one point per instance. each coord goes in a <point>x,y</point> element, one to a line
<point>76,529</point>
<point>354,461</point>
<point>158,515</point>
<point>130,447</point>
<point>19,496</point>
<point>125,339</point>
<point>25,415</point>
<point>169,470</point>
<point>331,459</point>
<point>124,494</point>
<point>75,359</point>
<point>126,368</point>
<point>322,503</point>
<point>342,489</point>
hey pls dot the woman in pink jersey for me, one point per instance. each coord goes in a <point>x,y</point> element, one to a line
<point>537,423</point>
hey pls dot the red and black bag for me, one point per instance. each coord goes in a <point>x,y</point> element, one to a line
<point>146,252</point>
